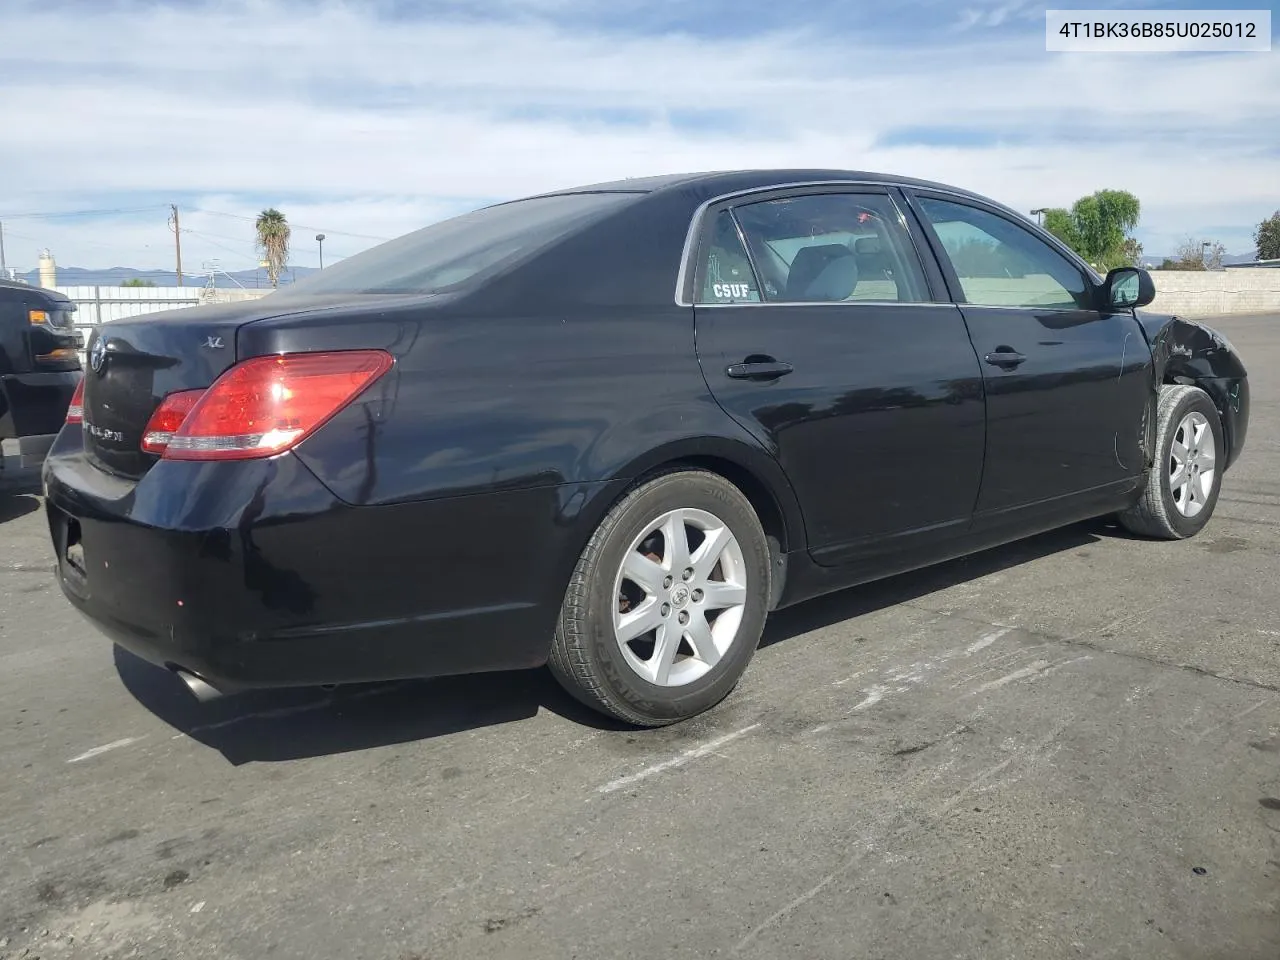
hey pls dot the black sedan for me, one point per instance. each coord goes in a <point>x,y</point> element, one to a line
<point>609,429</point>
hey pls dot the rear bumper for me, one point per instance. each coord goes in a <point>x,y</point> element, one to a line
<point>253,574</point>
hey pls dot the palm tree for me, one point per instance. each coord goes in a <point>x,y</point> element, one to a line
<point>273,241</point>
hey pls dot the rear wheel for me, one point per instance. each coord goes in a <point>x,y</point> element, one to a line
<point>1183,481</point>
<point>667,603</point>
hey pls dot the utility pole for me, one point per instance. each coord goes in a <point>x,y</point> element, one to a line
<point>177,239</point>
<point>4,270</point>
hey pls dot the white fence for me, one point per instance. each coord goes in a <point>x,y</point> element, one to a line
<point>95,305</point>
<point>99,304</point>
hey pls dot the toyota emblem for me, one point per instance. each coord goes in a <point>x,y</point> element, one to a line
<point>98,355</point>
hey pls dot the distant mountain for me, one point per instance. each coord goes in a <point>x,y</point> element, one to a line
<point>114,276</point>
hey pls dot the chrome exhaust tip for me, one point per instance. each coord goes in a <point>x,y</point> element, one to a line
<point>202,689</point>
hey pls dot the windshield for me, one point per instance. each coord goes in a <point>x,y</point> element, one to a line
<point>447,254</point>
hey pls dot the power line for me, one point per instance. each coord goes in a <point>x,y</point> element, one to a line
<point>300,226</point>
<point>23,236</point>
<point>208,238</point>
<point>220,236</point>
<point>82,213</point>
<point>159,206</point>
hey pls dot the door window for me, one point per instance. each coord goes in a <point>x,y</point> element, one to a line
<point>817,248</point>
<point>1001,264</point>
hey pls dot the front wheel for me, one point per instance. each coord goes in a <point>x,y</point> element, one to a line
<point>1184,479</point>
<point>667,603</point>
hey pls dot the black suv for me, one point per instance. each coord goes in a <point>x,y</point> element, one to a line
<point>39,367</point>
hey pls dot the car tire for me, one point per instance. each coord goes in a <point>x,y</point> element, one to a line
<point>1175,506</point>
<point>693,657</point>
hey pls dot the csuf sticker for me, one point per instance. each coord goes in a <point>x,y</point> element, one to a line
<point>731,291</point>
<point>727,274</point>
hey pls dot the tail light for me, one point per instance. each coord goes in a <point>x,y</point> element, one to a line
<point>262,406</point>
<point>164,423</point>
<point>75,411</point>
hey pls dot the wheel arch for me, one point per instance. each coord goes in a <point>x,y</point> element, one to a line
<point>1194,354</point>
<point>757,475</point>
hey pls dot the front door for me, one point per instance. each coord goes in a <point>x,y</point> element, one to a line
<point>818,332</point>
<point>1066,381</point>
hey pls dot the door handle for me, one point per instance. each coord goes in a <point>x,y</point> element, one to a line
<point>758,370</point>
<point>1005,357</point>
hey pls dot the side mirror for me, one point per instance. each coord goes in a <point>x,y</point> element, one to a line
<point>1127,288</point>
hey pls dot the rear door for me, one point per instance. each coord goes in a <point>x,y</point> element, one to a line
<point>818,331</point>
<point>1066,382</point>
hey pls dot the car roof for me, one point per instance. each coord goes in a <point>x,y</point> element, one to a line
<point>29,289</point>
<point>714,182</point>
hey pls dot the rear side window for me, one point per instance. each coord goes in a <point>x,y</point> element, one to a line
<point>451,253</point>
<point>726,271</point>
<point>832,248</point>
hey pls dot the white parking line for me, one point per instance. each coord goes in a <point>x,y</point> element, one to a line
<point>1022,674</point>
<point>98,751</point>
<point>874,695</point>
<point>986,641</point>
<point>693,754</point>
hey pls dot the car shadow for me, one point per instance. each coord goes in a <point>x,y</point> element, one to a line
<point>869,597</point>
<point>295,723</point>
<point>291,724</point>
<point>19,493</point>
<point>15,503</point>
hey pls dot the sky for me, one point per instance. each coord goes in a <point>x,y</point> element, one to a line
<point>366,119</point>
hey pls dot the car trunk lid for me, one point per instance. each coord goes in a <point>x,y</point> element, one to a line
<point>134,364</point>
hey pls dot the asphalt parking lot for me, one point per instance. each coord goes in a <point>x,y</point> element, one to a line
<point>1067,747</point>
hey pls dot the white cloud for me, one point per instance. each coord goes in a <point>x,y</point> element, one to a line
<point>997,14</point>
<point>348,123</point>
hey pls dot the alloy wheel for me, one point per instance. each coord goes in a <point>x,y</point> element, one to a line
<point>1192,464</point>
<point>680,594</point>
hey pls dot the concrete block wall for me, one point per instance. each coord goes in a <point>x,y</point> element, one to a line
<point>1215,292</point>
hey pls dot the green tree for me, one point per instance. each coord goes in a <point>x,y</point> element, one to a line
<point>1097,227</point>
<point>273,241</point>
<point>138,282</point>
<point>1267,237</point>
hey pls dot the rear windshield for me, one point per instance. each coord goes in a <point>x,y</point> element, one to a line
<point>446,255</point>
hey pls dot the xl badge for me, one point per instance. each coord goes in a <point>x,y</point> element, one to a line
<point>98,355</point>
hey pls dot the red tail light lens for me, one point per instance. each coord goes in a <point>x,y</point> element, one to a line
<point>75,412</point>
<point>266,405</point>
<point>164,423</point>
